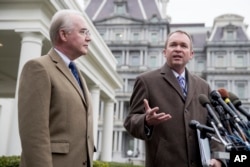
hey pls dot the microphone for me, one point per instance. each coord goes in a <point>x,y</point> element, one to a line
<point>206,131</point>
<point>225,95</point>
<point>196,125</point>
<point>217,107</point>
<point>224,117</point>
<point>237,103</point>
<point>204,101</point>
<point>215,95</point>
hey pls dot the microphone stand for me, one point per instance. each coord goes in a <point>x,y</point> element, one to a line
<point>226,144</point>
<point>209,136</point>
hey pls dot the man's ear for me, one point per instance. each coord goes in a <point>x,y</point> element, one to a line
<point>191,55</point>
<point>164,52</point>
<point>63,35</point>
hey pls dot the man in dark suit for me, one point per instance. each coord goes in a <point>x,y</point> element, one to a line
<point>161,109</point>
<point>54,109</point>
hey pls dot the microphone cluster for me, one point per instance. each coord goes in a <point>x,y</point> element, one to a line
<point>228,120</point>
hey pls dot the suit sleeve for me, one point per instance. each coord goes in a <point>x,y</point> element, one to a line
<point>135,121</point>
<point>33,115</point>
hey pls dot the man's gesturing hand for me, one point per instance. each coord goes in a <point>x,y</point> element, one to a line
<point>152,117</point>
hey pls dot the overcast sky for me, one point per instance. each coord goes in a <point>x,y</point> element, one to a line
<point>204,11</point>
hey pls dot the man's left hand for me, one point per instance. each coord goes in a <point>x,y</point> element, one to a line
<point>215,163</point>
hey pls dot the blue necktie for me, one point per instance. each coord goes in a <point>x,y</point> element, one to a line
<point>75,73</point>
<point>182,83</point>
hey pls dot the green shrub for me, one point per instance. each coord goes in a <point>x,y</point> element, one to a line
<point>117,164</point>
<point>100,164</point>
<point>13,161</point>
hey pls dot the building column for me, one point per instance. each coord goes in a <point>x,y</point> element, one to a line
<point>208,65</point>
<point>141,146</point>
<point>107,140</point>
<point>99,141</point>
<point>127,57</point>
<point>95,93</point>
<point>161,59</point>
<point>120,141</point>
<point>115,140</point>
<point>144,61</point>
<point>146,56</point>
<point>141,59</point>
<point>125,84</point>
<point>116,110</point>
<point>248,60</point>
<point>31,47</point>
<point>5,123</point>
<point>123,57</point>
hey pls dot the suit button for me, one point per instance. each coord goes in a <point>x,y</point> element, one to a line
<point>192,163</point>
<point>84,163</point>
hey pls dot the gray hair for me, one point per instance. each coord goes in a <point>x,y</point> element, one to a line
<point>62,19</point>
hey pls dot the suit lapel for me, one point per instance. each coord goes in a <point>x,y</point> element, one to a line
<point>171,79</point>
<point>66,72</point>
<point>168,75</point>
<point>84,87</point>
<point>191,87</point>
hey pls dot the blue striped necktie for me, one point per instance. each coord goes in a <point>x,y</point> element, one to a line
<point>182,83</point>
<point>73,69</point>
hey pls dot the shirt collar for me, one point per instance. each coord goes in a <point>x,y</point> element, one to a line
<point>182,74</point>
<point>63,56</point>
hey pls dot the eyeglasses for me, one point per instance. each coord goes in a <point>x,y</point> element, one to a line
<point>85,33</point>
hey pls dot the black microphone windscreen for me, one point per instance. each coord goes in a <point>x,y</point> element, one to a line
<point>232,97</point>
<point>237,103</point>
<point>203,100</point>
<point>215,95</point>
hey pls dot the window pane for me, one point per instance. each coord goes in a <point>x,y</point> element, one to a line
<point>119,57</point>
<point>200,66</point>
<point>131,83</point>
<point>134,58</point>
<point>136,36</point>
<point>119,60</point>
<point>120,9</point>
<point>154,37</point>
<point>220,84</point>
<point>118,36</point>
<point>135,61</point>
<point>241,60</point>
<point>152,61</point>
<point>220,59</point>
<point>102,32</point>
<point>241,89</point>
<point>230,35</point>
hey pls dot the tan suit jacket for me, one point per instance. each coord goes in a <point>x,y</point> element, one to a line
<point>55,116</point>
<point>172,143</point>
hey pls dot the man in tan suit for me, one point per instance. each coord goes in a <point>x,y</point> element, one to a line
<point>54,110</point>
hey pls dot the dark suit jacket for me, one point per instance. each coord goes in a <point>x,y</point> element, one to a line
<point>55,117</point>
<point>172,143</point>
